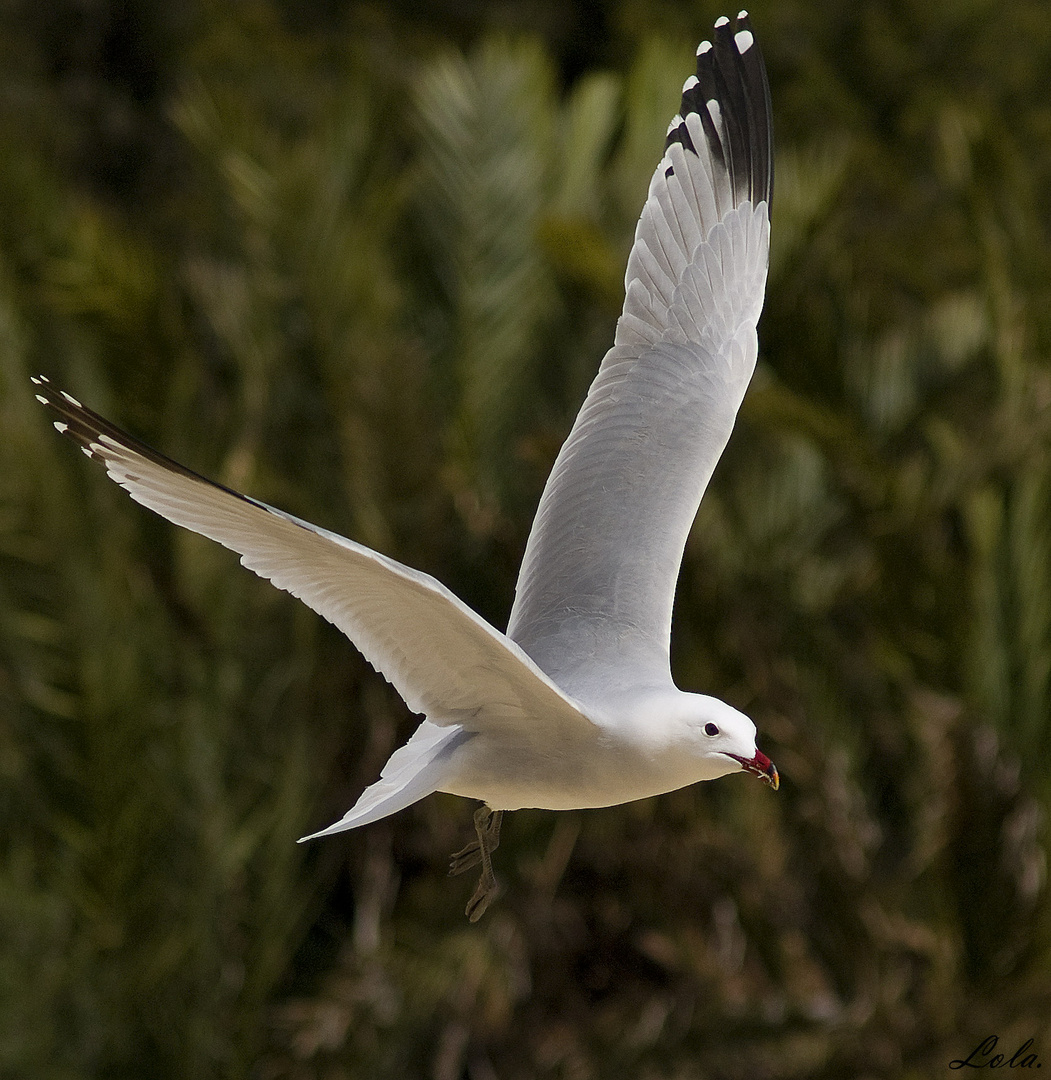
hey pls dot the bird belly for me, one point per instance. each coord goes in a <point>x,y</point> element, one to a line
<point>510,771</point>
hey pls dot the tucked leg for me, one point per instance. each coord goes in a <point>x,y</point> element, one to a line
<point>487,828</point>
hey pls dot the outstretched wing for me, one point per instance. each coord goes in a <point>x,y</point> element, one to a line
<point>594,598</point>
<point>444,660</point>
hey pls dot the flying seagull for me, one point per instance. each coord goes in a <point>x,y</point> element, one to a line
<point>574,706</point>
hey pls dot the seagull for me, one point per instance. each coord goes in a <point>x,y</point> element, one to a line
<point>574,706</point>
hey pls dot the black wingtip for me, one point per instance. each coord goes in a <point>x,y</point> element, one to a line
<point>105,442</point>
<point>739,129</point>
<point>73,419</point>
<point>93,433</point>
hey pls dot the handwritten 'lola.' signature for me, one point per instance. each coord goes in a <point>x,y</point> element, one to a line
<point>982,1057</point>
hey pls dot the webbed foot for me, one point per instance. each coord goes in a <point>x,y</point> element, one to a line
<point>487,827</point>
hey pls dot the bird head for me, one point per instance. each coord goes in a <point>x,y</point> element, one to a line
<point>722,734</point>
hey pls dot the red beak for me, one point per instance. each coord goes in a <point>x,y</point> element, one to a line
<point>760,766</point>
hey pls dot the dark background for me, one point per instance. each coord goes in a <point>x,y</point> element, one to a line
<point>362,261</point>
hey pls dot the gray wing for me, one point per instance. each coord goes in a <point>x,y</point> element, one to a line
<point>594,598</point>
<point>442,658</point>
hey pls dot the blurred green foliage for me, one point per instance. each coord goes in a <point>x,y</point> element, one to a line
<point>362,261</point>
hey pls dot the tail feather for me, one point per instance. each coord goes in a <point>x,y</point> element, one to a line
<point>413,772</point>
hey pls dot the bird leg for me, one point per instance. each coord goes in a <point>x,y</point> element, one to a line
<point>487,827</point>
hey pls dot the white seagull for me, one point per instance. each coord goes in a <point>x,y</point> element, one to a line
<point>574,706</point>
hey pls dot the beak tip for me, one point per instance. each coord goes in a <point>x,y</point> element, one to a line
<point>761,766</point>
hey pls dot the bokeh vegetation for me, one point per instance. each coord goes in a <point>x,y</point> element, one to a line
<point>362,260</point>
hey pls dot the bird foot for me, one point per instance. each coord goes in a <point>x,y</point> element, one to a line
<point>464,859</point>
<point>479,851</point>
<point>487,891</point>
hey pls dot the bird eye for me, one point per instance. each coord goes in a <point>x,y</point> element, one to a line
<point>711,729</point>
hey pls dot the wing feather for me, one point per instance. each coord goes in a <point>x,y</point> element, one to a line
<point>444,660</point>
<point>594,597</point>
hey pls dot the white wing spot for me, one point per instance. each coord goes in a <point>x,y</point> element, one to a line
<point>34,380</point>
<point>676,120</point>
<point>690,83</point>
<point>86,452</point>
<point>72,400</point>
<point>41,398</point>
<point>95,448</point>
<point>716,113</point>
<point>742,14</point>
<point>60,427</point>
<point>110,442</point>
<point>743,40</point>
<point>721,21</point>
<point>705,46</point>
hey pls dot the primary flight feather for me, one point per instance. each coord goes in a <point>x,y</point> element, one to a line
<point>575,705</point>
